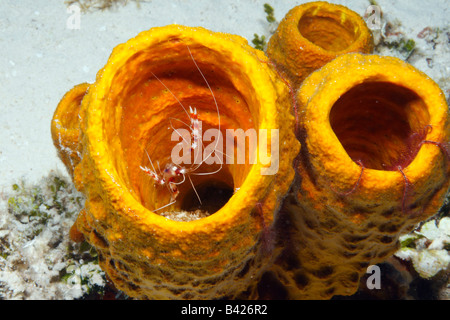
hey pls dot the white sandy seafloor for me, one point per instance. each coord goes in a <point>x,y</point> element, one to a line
<point>41,59</point>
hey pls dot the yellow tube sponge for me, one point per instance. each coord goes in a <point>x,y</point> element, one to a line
<point>313,34</point>
<point>153,86</point>
<point>65,126</point>
<point>373,164</point>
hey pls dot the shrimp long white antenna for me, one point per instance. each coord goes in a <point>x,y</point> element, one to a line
<point>212,94</point>
<point>176,119</point>
<point>153,167</point>
<point>207,173</point>
<point>173,95</point>
<point>169,204</point>
<point>177,132</point>
<point>195,190</point>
